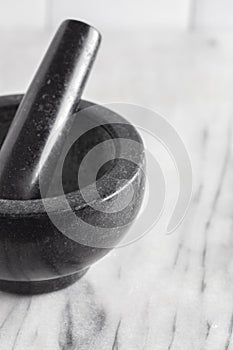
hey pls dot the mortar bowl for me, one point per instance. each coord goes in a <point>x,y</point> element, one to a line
<point>47,244</point>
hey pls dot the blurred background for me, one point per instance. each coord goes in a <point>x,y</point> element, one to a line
<point>139,39</point>
<point>174,56</point>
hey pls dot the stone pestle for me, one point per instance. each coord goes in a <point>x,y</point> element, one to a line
<point>40,127</point>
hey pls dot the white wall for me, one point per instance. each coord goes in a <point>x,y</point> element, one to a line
<point>213,14</point>
<point>23,13</point>
<point>120,14</point>
<point>125,13</point>
<point>39,14</point>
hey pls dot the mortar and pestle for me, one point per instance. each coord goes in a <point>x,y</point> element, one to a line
<point>36,256</point>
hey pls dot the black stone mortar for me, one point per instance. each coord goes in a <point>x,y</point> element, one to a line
<point>35,257</point>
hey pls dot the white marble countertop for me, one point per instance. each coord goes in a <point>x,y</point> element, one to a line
<point>164,292</point>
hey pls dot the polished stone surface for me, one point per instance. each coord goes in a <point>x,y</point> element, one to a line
<point>38,241</point>
<point>43,121</point>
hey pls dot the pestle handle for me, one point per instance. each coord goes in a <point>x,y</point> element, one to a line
<point>43,120</point>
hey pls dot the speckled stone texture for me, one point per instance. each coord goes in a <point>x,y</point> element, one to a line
<point>43,121</point>
<point>35,257</point>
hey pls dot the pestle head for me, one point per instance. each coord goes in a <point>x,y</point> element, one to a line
<point>45,116</point>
